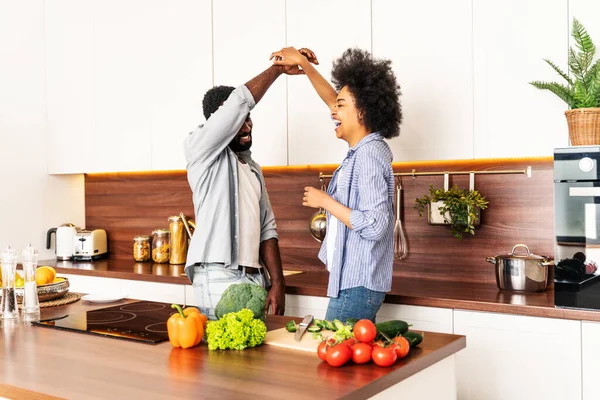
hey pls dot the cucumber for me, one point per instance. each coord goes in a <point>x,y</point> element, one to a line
<point>350,322</point>
<point>314,328</point>
<point>413,338</point>
<point>291,326</point>
<point>391,329</point>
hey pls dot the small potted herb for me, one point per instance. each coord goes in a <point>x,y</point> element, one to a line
<point>456,207</point>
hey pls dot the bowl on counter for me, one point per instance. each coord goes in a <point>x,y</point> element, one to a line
<point>49,291</point>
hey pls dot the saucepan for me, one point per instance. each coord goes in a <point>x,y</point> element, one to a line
<point>523,272</point>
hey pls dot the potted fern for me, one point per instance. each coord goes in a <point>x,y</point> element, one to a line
<point>458,208</point>
<point>582,89</point>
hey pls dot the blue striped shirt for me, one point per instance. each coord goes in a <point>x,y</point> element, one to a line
<point>363,255</point>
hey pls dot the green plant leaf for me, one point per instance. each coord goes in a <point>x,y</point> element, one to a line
<point>566,94</point>
<point>584,44</point>
<point>559,71</point>
<point>583,80</point>
<point>460,204</point>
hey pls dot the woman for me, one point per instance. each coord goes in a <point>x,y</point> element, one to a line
<point>358,249</point>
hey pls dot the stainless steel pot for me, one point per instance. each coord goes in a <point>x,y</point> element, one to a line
<point>521,272</point>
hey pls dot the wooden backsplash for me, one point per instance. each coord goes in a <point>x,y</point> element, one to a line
<point>520,211</point>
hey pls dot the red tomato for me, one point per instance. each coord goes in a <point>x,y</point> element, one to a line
<point>384,356</point>
<point>339,355</point>
<point>350,342</point>
<point>361,353</point>
<point>322,351</point>
<point>365,331</point>
<point>402,346</point>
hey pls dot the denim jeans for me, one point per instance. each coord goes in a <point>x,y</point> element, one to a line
<point>211,280</point>
<point>358,302</point>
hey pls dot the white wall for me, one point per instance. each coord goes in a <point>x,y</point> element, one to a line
<point>31,201</point>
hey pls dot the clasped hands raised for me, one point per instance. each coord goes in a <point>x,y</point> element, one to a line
<point>292,59</point>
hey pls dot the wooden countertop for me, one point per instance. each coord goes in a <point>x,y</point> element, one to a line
<point>474,296</point>
<point>75,365</point>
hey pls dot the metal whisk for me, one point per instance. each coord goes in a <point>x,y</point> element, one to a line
<point>400,245</point>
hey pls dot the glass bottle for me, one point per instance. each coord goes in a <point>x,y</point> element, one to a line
<point>9,309</point>
<point>160,245</point>
<point>31,304</point>
<point>177,241</point>
<point>141,248</point>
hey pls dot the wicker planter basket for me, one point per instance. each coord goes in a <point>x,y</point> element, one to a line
<point>584,126</point>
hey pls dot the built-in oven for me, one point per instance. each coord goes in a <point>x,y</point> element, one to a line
<point>577,227</point>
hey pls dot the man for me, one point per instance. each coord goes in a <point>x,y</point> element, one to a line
<point>236,234</point>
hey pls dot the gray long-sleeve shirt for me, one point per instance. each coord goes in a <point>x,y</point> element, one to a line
<point>212,170</point>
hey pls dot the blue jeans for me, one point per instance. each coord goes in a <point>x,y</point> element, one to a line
<point>358,302</point>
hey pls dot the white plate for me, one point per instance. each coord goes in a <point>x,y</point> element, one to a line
<point>103,298</point>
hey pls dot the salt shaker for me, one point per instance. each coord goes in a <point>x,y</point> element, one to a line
<point>31,304</point>
<point>8,307</point>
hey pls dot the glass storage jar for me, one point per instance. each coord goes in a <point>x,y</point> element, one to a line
<point>141,248</point>
<point>160,245</point>
<point>178,242</point>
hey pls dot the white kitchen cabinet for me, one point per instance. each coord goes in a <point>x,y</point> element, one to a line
<point>512,118</point>
<point>590,349</point>
<point>517,357</point>
<point>430,319</point>
<point>122,85</point>
<point>125,82</point>
<point>430,45</point>
<point>244,36</point>
<point>140,290</point>
<point>313,24</point>
<point>69,34</point>
<point>181,68</point>
<point>299,306</point>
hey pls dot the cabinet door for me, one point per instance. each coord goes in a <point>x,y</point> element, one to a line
<point>512,118</point>
<point>430,319</point>
<point>518,358</point>
<point>299,306</point>
<point>123,85</point>
<point>430,45</point>
<point>590,345</point>
<point>181,66</point>
<point>244,36</point>
<point>69,31</point>
<point>328,28</point>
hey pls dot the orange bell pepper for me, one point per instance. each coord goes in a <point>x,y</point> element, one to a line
<point>186,327</point>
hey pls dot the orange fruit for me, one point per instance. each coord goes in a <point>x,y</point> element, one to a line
<point>44,275</point>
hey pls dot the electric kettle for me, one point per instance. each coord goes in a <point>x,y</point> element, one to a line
<point>65,240</point>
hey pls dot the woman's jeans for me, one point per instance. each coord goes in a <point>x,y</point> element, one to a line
<point>358,302</point>
<point>211,280</point>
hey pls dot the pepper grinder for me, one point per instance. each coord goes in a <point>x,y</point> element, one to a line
<point>31,304</point>
<point>9,308</point>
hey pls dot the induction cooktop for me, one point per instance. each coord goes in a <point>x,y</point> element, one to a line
<point>142,321</point>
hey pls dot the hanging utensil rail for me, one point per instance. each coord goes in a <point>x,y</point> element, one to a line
<point>414,173</point>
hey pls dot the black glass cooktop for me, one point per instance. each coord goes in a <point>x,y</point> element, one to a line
<point>142,321</point>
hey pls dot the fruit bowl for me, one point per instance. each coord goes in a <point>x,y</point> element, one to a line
<point>49,291</point>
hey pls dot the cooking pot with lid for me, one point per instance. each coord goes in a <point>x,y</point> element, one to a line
<point>523,272</point>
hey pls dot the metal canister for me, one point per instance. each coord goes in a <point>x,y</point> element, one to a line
<point>177,241</point>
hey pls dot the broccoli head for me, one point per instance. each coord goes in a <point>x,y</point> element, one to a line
<point>243,295</point>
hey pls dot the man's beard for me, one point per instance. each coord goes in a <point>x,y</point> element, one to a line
<point>236,146</point>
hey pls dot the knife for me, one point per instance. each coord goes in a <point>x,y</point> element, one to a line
<point>302,326</point>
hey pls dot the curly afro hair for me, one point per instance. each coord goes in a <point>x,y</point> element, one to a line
<point>373,85</point>
<point>213,99</point>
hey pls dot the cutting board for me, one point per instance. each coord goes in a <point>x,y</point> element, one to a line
<point>282,338</point>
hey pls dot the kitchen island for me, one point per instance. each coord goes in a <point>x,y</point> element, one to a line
<point>57,363</point>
